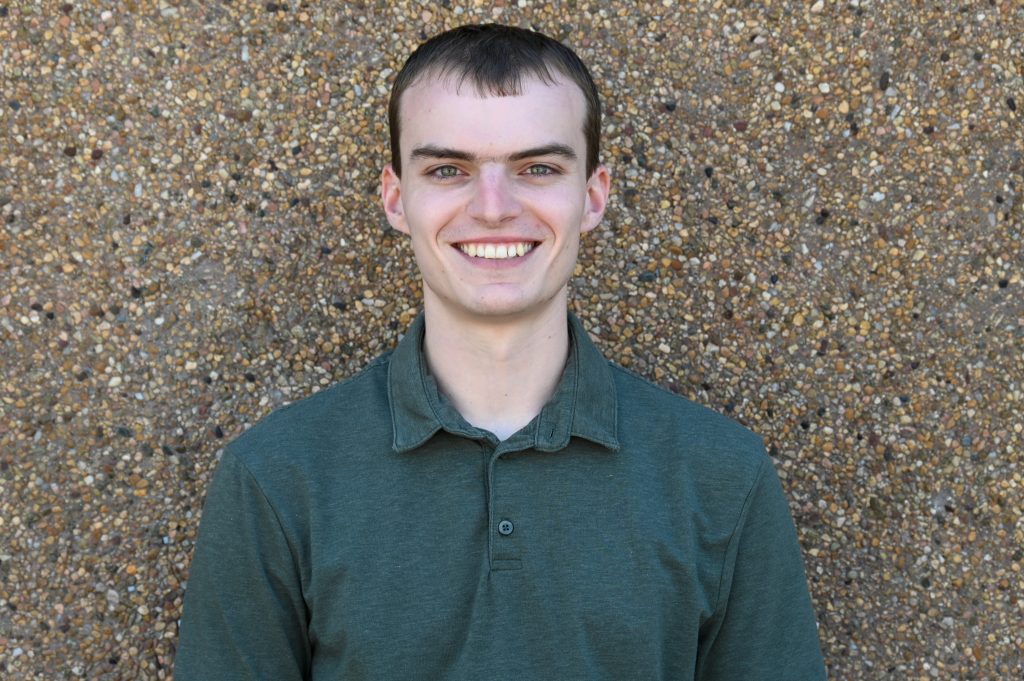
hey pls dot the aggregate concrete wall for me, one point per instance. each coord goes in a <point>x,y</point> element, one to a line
<point>816,228</point>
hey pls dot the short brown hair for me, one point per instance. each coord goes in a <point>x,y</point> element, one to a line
<point>496,58</point>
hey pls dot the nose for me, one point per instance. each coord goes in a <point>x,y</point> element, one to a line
<point>494,200</point>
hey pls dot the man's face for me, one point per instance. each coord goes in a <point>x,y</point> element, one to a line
<point>494,195</point>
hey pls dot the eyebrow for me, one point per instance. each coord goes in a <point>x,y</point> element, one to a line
<point>554,149</point>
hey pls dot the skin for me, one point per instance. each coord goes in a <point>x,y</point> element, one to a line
<point>499,171</point>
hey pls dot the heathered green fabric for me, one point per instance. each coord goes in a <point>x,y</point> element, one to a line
<point>355,535</point>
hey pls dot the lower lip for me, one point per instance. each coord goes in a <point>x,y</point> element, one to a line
<point>496,263</point>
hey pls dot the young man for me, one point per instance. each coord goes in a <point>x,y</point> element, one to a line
<point>493,499</point>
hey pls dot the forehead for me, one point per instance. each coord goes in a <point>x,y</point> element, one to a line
<point>438,110</point>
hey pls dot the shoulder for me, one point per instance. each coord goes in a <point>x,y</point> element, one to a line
<point>684,435</point>
<point>343,417</point>
<point>638,396</point>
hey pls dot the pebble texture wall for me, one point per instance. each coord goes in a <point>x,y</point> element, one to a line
<point>816,228</point>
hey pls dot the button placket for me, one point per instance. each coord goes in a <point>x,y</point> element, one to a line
<point>504,535</point>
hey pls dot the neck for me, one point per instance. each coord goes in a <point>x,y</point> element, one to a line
<point>498,373</point>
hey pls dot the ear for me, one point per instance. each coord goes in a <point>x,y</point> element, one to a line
<point>391,197</point>
<point>598,187</point>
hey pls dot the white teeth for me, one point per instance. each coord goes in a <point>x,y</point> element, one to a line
<point>497,251</point>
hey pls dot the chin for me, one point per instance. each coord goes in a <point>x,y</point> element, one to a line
<point>493,303</point>
<point>498,309</point>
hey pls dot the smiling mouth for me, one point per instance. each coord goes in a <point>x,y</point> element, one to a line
<point>491,251</point>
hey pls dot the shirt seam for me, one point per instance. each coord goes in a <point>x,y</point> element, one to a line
<point>736,530</point>
<point>296,563</point>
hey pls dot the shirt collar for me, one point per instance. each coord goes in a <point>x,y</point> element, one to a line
<point>583,405</point>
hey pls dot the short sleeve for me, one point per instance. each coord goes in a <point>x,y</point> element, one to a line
<point>244,615</point>
<point>763,628</point>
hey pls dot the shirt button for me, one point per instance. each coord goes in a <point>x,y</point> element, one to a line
<point>505,527</point>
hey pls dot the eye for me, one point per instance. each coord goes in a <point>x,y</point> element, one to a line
<point>538,170</point>
<point>445,172</point>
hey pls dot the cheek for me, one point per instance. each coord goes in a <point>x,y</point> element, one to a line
<point>563,208</point>
<point>558,214</point>
<point>428,213</point>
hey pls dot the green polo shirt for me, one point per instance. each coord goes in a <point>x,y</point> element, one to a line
<point>369,532</point>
